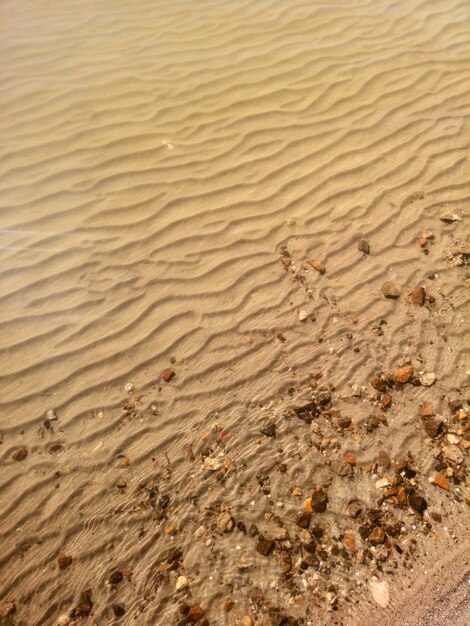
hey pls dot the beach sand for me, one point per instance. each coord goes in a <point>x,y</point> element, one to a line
<point>203,208</point>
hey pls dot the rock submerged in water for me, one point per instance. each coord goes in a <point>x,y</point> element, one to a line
<point>418,296</point>
<point>380,592</point>
<point>264,546</point>
<point>20,454</point>
<point>363,246</point>
<point>403,374</point>
<point>390,291</point>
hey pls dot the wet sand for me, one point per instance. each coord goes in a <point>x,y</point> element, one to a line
<point>168,173</point>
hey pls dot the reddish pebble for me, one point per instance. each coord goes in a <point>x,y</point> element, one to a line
<point>64,561</point>
<point>318,265</point>
<point>168,375</point>
<point>418,296</point>
<point>442,482</point>
<point>350,459</point>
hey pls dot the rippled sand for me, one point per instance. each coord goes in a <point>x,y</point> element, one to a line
<point>154,158</point>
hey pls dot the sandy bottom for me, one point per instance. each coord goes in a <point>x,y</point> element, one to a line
<point>210,412</point>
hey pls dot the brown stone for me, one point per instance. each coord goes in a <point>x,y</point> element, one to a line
<point>403,374</point>
<point>418,296</point>
<point>228,605</point>
<point>121,483</point>
<point>422,241</point>
<point>303,519</point>
<point>390,291</point>
<point>378,383</point>
<point>64,561</point>
<point>417,502</point>
<point>442,482</point>
<point>168,375</point>
<point>427,411</point>
<point>432,426</point>
<point>386,402</point>
<point>318,265</point>
<point>20,454</point>
<point>353,510</point>
<point>350,541</point>
<point>319,500</point>
<point>343,421</point>
<point>350,459</point>
<point>363,246</point>
<point>377,536</point>
<point>264,546</point>
<point>383,459</point>
<point>195,613</point>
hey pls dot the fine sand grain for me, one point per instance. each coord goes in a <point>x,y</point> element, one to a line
<point>220,221</point>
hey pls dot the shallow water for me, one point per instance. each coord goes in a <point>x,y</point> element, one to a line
<point>154,156</point>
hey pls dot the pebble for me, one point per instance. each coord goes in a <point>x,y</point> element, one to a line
<point>168,375</point>
<point>449,216</point>
<point>181,583</point>
<point>121,483</point>
<point>363,246</point>
<point>264,546</point>
<point>195,613</point>
<point>418,296</point>
<point>303,519</point>
<point>380,592</point>
<point>383,459</point>
<point>212,464</point>
<point>228,605</point>
<point>427,378</point>
<point>403,374</point>
<point>353,510</point>
<point>389,290</point>
<point>350,459</point>
<point>319,500</point>
<point>247,621</point>
<point>225,522</point>
<point>442,482</point>
<point>378,383</point>
<point>20,454</point>
<point>64,561</point>
<point>432,426</point>
<point>417,502</point>
<point>350,541</point>
<point>51,415</point>
<point>453,454</point>
<point>303,315</point>
<point>318,265</point>
<point>452,439</point>
<point>377,536</point>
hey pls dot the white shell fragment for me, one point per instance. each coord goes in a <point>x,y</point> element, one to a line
<point>427,378</point>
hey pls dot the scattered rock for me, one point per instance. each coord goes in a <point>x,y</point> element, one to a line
<point>427,378</point>
<point>390,291</point>
<point>350,459</point>
<point>427,411</point>
<point>269,430</point>
<point>168,375</point>
<point>84,607</point>
<point>115,578</point>
<point>442,482</point>
<point>418,296</point>
<point>378,383</point>
<point>380,592</point>
<point>319,500</point>
<point>264,546</point>
<point>363,246</point>
<point>318,265</point>
<point>121,483</point>
<point>212,464</point>
<point>350,541</point>
<point>450,216</point>
<point>247,621</point>
<point>64,561</point>
<point>453,454</point>
<point>377,536</point>
<point>403,374</point>
<point>225,522</point>
<point>303,316</point>
<point>195,613</point>
<point>383,459</point>
<point>20,454</point>
<point>353,510</point>
<point>228,605</point>
<point>453,439</point>
<point>118,610</point>
<point>417,502</point>
<point>432,426</point>
<point>51,415</point>
<point>303,519</point>
<point>181,583</point>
